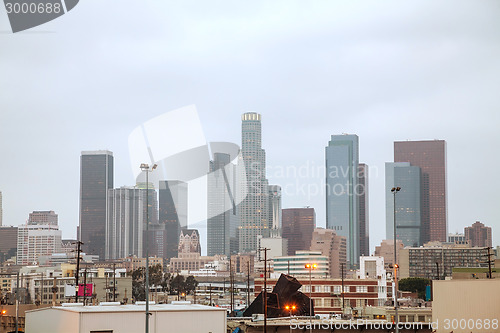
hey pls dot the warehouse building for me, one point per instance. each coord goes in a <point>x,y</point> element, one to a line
<point>113,317</point>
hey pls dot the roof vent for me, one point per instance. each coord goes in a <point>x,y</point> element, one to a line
<point>67,305</point>
<point>109,303</point>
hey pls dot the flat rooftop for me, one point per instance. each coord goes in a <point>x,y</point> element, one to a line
<point>174,307</point>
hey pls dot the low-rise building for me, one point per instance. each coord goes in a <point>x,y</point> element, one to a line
<point>165,318</point>
<point>296,265</point>
<point>436,260</point>
<point>329,297</point>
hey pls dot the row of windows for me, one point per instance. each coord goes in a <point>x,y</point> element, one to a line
<point>337,289</point>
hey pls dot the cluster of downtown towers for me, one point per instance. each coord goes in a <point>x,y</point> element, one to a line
<point>241,205</point>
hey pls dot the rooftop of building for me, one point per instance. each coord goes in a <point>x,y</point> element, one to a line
<point>138,307</point>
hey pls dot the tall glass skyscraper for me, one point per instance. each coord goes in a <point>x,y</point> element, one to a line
<point>342,210</point>
<point>222,220</point>
<point>364,225</point>
<point>173,206</point>
<point>254,208</point>
<point>430,156</point>
<point>408,202</point>
<point>96,178</point>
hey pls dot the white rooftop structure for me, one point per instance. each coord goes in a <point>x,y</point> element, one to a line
<point>112,318</point>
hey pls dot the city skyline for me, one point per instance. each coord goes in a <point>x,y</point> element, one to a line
<point>384,74</point>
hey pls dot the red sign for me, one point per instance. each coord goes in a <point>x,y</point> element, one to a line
<point>82,291</point>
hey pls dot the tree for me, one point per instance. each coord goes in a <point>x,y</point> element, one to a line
<point>190,284</point>
<point>156,278</point>
<point>177,284</point>
<point>414,284</point>
<point>155,275</point>
<point>138,292</point>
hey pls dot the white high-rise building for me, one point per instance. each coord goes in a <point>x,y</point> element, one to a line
<point>37,240</point>
<point>125,223</point>
<point>254,208</point>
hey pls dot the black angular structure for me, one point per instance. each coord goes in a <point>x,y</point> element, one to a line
<point>284,293</point>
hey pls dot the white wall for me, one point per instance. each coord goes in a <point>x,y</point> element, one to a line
<point>51,321</point>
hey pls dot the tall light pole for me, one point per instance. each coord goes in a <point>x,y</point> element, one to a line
<point>145,167</point>
<point>395,190</point>
<point>310,267</point>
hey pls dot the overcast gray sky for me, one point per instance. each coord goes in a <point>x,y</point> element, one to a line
<point>384,70</point>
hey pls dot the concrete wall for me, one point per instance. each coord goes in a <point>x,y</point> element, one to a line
<point>469,303</point>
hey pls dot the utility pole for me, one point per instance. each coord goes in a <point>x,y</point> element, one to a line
<point>114,282</point>
<point>41,290</point>
<point>85,287</point>
<point>342,291</point>
<point>489,254</point>
<point>248,283</point>
<point>264,303</point>
<point>145,167</point>
<point>395,190</point>
<point>17,302</point>
<point>78,250</point>
<point>231,285</point>
<point>107,286</point>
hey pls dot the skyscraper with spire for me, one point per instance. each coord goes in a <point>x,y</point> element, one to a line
<point>254,208</point>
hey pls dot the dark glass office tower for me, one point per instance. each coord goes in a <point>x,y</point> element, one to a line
<point>222,220</point>
<point>173,199</point>
<point>342,210</point>
<point>96,178</point>
<point>430,156</point>
<point>408,203</point>
<point>364,226</point>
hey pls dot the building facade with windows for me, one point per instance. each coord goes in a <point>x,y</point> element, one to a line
<point>430,156</point>
<point>333,246</point>
<point>34,241</point>
<point>342,207</point>
<point>296,265</point>
<point>125,223</point>
<point>478,235</point>
<point>43,217</point>
<point>173,207</point>
<point>222,222</point>
<point>328,296</point>
<point>408,202</point>
<point>298,226</point>
<point>96,178</point>
<point>253,210</point>
<point>436,260</point>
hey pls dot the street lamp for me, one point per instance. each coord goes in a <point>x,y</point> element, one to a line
<point>145,167</point>
<point>310,267</point>
<point>290,308</point>
<point>395,190</point>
